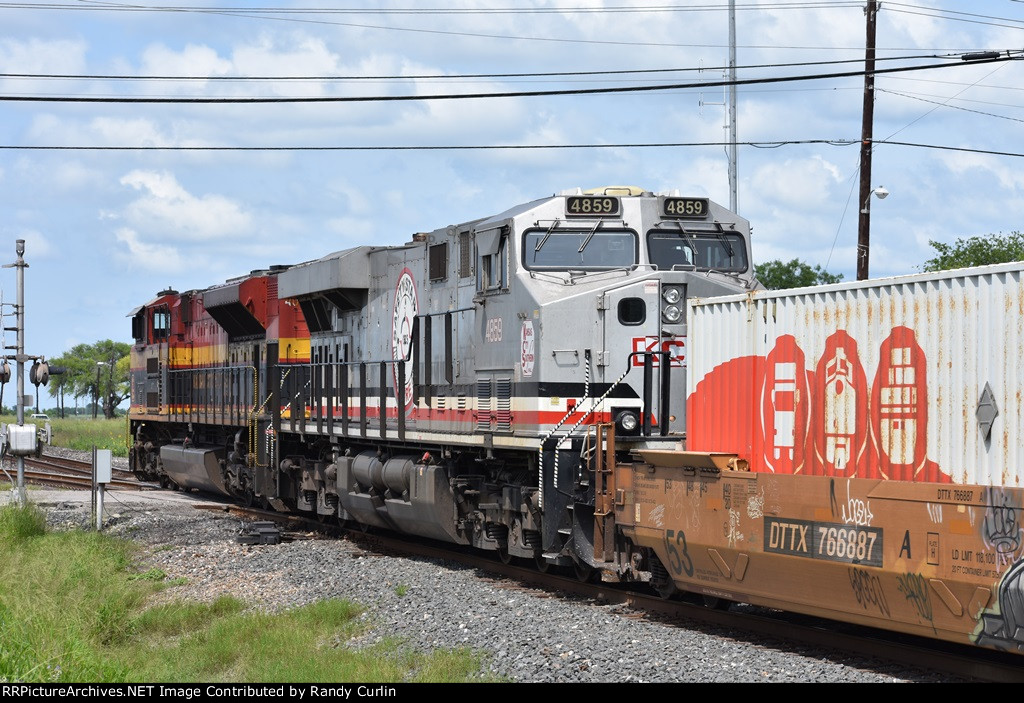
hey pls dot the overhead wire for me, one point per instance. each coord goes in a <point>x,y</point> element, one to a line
<point>450,76</point>
<point>275,14</point>
<point>1000,57</point>
<point>509,147</point>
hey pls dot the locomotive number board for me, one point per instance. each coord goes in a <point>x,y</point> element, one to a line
<point>592,206</point>
<point>696,208</point>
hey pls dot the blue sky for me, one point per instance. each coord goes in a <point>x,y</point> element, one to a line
<point>106,230</point>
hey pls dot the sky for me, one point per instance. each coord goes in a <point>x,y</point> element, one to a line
<point>106,229</point>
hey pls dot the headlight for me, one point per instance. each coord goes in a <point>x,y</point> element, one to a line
<point>628,421</point>
<point>671,295</point>
<point>672,314</point>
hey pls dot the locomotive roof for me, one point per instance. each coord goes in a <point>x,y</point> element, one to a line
<point>347,268</point>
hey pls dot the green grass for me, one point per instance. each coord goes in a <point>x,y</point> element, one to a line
<point>73,608</point>
<point>82,433</point>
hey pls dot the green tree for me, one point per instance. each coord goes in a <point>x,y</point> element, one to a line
<point>976,251</point>
<point>99,370</point>
<point>777,274</point>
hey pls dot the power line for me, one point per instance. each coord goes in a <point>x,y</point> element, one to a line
<point>1002,56</point>
<point>954,107</point>
<point>505,147</point>
<point>275,15</point>
<point>549,10</point>
<point>451,76</point>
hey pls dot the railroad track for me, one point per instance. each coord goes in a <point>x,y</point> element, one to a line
<point>788,628</point>
<point>63,472</point>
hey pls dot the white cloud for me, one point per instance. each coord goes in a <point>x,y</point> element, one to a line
<point>154,257</point>
<point>42,56</point>
<point>191,61</point>
<point>167,209</point>
<point>803,183</point>
<point>973,165</point>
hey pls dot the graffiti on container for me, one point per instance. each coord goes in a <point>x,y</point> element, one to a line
<point>852,512</point>
<point>914,588</point>
<point>657,515</point>
<point>732,528</point>
<point>867,589</point>
<point>827,419</point>
<point>1001,527</point>
<point>755,506</point>
<point>1002,627</point>
<point>934,512</point>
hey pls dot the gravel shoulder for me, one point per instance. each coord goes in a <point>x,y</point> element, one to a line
<point>524,635</point>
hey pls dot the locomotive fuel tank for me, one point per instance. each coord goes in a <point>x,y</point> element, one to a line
<point>399,493</point>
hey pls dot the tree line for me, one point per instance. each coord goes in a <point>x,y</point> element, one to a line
<point>963,253</point>
<point>97,372</point>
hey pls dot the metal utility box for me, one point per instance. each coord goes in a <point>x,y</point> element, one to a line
<point>21,440</point>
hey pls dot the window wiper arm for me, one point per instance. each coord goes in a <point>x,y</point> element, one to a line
<point>725,242</point>
<point>590,236</point>
<point>547,235</point>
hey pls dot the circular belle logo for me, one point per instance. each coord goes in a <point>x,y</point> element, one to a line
<point>406,307</point>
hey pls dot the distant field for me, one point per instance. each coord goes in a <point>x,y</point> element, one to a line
<point>83,433</point>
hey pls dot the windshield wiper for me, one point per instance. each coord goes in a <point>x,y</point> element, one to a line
<point>547,235</point>
<point>725,242</point>
<point>590,236</point>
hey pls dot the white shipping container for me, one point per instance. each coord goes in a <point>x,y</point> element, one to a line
<point>912,378</point>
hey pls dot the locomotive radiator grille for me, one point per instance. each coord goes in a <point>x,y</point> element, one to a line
<point>503,416</point>
<point>483,404</point>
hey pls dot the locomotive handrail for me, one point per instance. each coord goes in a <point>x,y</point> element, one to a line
<point>646,399</point>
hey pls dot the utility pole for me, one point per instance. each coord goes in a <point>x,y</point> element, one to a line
<point>733,194</point>
<point>864,228</point>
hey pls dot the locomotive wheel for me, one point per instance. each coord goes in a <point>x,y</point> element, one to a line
<point>541,563</point>
<point>665,588</point>
<point>585,573</point>
<point>503,554</point>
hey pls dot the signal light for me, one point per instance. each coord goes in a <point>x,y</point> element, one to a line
<point>40,373</point>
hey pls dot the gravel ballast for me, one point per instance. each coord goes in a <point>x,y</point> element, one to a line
<point>524,635</point>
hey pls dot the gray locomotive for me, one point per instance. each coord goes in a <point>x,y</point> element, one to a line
<point>454,387</point>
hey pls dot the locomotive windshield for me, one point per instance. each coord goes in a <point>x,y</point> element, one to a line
<point>586,249</point>
<point>704,251</point>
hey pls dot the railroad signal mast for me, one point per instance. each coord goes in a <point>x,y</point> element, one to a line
<point>19,440</point>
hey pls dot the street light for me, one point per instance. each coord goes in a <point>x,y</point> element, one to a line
<point>881,192</point>
<point>863,237</point>
<point>96,403</point>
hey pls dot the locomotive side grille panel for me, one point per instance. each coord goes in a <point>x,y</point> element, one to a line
<point>483,404</point>
<point>503,416</point>
<point>465,255</point>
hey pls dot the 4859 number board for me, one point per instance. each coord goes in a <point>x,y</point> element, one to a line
<point>592,206</point>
